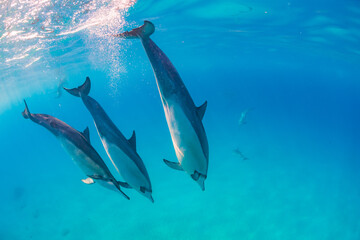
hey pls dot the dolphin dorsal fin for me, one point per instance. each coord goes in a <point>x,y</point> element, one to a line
<point>132,141</point>
<point>201,110</point>
<point>86,134</point>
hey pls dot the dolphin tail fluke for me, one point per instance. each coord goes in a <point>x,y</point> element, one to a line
<point>173,165</point>
<point>26,113</point>
<point>144,31</point>
<point>82,90</point>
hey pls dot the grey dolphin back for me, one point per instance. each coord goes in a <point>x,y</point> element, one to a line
<point>143,31</point>
<point>82,90</point>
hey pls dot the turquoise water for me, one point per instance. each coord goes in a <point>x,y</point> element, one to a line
<point>289,170</point>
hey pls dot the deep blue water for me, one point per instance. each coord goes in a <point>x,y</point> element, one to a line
<point>294,65</point>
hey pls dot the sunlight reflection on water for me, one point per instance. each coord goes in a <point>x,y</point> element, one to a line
<point>31,33</point>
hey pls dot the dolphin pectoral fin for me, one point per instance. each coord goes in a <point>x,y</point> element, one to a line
<point>173,165</point>
<point>86,134</point>
<point>141,32</point>
<point>126,196</point>
<point>89,180</point>
<point>132,141</point>
<point>110,184</point>
<point>124,184</point>
<point>195,175</point>
<point>201,110</point>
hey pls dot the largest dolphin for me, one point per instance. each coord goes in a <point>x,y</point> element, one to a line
<point>120,150</point>
<point>184,119</point>
<point>78,145</point>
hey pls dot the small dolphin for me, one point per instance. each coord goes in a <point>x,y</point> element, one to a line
<point>243,116</point>
<point>78,145</point>
<point>184,119</point>
<point>121,151</point>
<point>242,119</point>
<point>238,152</point>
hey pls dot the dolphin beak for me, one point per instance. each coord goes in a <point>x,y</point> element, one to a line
<point>201,182</point>
<point>148,195</point>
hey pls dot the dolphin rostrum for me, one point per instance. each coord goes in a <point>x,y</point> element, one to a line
<point>78,146</point>
<point>120,150</point>
<point>184,119</point>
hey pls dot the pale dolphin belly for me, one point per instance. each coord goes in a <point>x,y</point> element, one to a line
<point>89,166</point>
<point>125,166</point>
<point>185,140</point>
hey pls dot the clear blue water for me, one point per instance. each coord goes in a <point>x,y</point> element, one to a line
<point>294,65</point>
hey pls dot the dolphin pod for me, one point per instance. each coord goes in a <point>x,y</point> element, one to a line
<point>78,146</point>
<point>184,119</point>
<point>120,150</point>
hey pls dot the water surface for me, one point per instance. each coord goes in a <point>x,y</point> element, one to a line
<point>293,65</point>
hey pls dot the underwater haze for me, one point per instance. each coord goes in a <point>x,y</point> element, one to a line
<point>281,79</point>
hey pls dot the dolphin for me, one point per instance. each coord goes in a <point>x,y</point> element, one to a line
<point>242,119</point>
<point>184,119</point>
<point>243,116</point>
<point>120,150</point>
<point>77,144</point>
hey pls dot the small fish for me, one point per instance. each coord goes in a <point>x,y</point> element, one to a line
<point>238,152</point>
